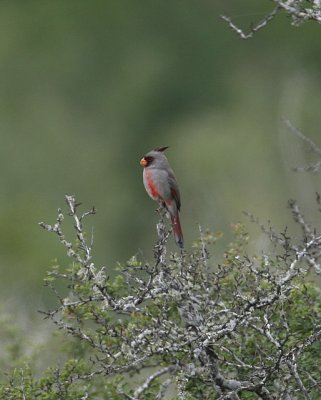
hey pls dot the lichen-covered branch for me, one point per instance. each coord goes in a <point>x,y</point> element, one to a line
<point>182,320</point>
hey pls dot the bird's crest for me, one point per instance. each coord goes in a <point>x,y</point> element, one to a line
<point>161,149</point>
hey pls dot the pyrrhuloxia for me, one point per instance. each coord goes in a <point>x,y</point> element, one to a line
<point>160,184</point>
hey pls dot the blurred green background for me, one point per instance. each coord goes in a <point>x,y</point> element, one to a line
<point>86,88</point>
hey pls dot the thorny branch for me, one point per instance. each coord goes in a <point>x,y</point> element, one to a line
<point>228,326</point>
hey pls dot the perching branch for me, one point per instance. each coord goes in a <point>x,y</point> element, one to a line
<point>227,329</point>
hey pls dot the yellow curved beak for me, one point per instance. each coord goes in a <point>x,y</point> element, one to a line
<point>143,162</point>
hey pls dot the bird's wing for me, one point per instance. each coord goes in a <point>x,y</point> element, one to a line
<point>174,189</point>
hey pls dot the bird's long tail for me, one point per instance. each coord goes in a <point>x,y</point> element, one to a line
<point>177,230</point>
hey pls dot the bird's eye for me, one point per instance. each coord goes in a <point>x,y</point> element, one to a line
<point>149,159</point>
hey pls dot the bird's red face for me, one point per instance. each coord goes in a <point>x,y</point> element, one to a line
<point>146,161</point>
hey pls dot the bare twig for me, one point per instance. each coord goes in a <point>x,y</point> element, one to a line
<point>292,8</point>
<point>312,167</point>
<point>254,28</point>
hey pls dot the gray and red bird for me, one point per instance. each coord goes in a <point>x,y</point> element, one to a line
<point>160,184</point>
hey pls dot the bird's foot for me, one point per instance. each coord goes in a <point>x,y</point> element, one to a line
<point>162,211</point>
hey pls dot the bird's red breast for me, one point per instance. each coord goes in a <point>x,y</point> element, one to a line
<point>151,187</point>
